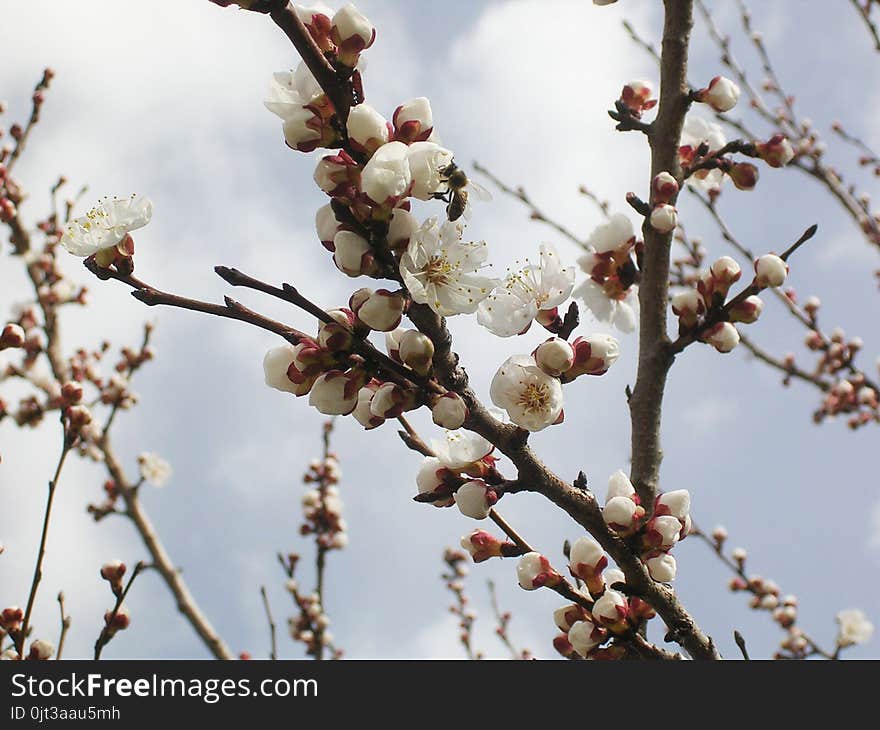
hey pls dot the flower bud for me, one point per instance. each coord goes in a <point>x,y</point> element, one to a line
<point>661,568</point>
<point>722,336</point>
<point>586,561</point>
<point>567,616</point>
<point>482,545</point>
<point>352,254</point>
<point>386,178</point>
<point>434,478</point>
<point>475,499</point>
<point>611,610</point>
<point>352,33</point>
<point>619,485</point>
<point>391,400</point>
<point>593,355</point>
<point>620,513</point>
<point>664,188</point>
<point>317,21</point>
<point>663,531</point>
<point>676,503</point>
<point>534,571</point>
<point>11,618</point>
<point>335,393</point>
<point>367,129</point>
<point>664,218</point>
<point>554,357</point>
<point>380,310</point>
<point>338,175</point>
<point>770,270</point>
<point>725,272</point>
<point>362,412</point>
<point>413,121</point>
<point>401,228</point>
<point>40,650</point>
<point>113,571</point>
<point>119,621</point>
<point>12,336</point>
<point>777,151</point>
<point>416,350</point>
<point>721,94</point>
<point>688,305</point>
<point>748,310</point>
<point>337,335</point>
<point>276,365</point>
<point>326,225</point>
<point>636,95</point>
<point>744,175</point>
<point>585,636</point>
<point>449,411</point>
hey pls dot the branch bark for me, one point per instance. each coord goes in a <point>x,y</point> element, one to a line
<point>655,357</point>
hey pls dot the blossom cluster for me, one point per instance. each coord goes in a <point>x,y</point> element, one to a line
<point>705,310</point>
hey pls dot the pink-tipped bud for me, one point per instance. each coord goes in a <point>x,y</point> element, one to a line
<point>664,218</point>
<point>554,357</point>
<point>721,94</point>
<point>449,411</point>
<point>777,151</point>
<point>723,336</point>
<point>770,270</point>
<point>664,188</point>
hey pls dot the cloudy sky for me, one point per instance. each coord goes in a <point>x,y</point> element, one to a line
<point>166,100</point>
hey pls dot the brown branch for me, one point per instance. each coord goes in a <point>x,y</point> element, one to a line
<point>67,444</point>
<point>655,357</point>
<point>65,626</point>
<point>273,650</point>
<point>337,88</point>
<point>864,10</point>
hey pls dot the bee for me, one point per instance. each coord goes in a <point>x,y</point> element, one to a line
<point>459,189</point>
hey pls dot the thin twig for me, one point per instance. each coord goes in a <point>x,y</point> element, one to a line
<point>65,625</point>
<point>47,516</point>
<point>273,650</point>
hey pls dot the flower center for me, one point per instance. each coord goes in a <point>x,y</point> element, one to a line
<point>438,270</point>
<point>534,397</point>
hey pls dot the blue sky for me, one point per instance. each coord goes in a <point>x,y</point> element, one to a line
<point>167,102</point>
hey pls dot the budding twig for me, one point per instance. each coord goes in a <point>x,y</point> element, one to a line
<point>108,631</point>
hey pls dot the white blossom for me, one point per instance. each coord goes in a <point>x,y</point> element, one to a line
<point>439,269</point>
<point>510,309</point>
<point>426,160</point>
<point>621,313</point>
<point>611,235</point>
<point>611,607</point>
<point>106,225</point>
<point>459,449</point>
<point>154,469</point>
<point>289,96</point>
<point>696,131</point>
<point>532,399</point>
<point>854,627</point>
<point>386,178</point>
<point>367,127</point>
